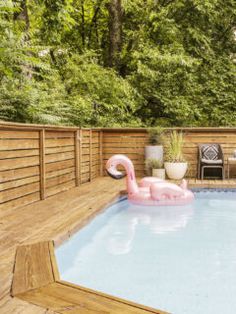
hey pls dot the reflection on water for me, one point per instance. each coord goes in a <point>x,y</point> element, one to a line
<point>178,259</point>
<point>160,220</point>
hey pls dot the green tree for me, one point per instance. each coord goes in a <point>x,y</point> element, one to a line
<point>114,62</point>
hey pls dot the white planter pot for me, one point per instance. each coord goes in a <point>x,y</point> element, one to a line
<point>176,170</point>
<point>159,173</point>
<point>154,151</point>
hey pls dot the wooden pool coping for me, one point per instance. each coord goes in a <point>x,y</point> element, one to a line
<point>36,280</point>
<point>33,230</point>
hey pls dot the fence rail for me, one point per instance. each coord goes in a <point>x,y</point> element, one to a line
<point>132,142</point>
<point>39,161</point>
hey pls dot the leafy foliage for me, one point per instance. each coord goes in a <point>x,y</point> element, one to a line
<point>176,65</point>
<point>156,135</point>
<point>174,149</point>
<point>153,163</point>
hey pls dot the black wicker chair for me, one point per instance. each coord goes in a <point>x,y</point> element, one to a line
<point>210,156</point>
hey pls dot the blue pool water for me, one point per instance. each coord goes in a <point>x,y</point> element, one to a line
<point>178,259</point>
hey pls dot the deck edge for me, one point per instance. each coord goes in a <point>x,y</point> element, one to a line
<point>36,292</point>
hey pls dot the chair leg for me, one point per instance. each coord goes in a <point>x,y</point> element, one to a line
<point>223,173</point>
<point>202,173</point>
<point>199,171</point>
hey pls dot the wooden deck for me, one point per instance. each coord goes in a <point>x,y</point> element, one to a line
<point>40,284</point>
<point>33,227</point>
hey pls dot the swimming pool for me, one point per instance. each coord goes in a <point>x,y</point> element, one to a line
<point>178,259</point>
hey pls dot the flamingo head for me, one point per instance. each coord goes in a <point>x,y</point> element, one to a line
<point>111,166</point>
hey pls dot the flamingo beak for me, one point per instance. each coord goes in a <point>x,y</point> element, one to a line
<point>115,174</point>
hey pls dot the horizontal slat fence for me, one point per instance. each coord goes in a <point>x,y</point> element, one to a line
<point>19,167</point>
<point>39,161</point>
<point>132,143</point>
<point>226,138</point>
<point>59,162</point>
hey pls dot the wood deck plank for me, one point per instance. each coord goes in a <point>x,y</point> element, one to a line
<point>11,305</point>
<point>33,267</point>
<point>56,218</point>
<point>45,220</point>
<point>67,299</point>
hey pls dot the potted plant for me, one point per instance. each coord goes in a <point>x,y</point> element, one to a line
<point>155,166</point>
<point>175,165</point>
<point>155,149</point>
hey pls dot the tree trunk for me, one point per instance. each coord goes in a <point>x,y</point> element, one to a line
<point>93,25</point>
<point>83,24</point>
<point>115,32</point>
<point>23,15</point>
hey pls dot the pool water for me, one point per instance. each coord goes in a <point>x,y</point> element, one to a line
<point>177,259</point>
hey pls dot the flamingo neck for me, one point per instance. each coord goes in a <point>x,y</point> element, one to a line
<point>132,186</point>
<point>123,160</point>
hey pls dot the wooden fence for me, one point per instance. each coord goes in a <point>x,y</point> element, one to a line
<point>132,141</point>
<point>39,161</point>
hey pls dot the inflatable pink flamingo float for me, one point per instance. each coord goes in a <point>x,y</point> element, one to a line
<point>151,191</point>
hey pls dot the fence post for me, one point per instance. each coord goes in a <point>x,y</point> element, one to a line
<point>42,163</point>
<point>77,158</point>
<point>90,153</point>
<point>80,155</point>
<point>101,152</point>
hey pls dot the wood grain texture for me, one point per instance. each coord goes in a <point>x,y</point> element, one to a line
<point>56,218</point>
<point>33,268</point>
<point>132,144</point>
<point>16,163</point>
<point>22,168</point>
<point>36,280</point>
<point>90,154</point>
<point>80,155</point>
<point>18,192</point>
<point>16,183</point>
<point>9,305</point>
<point>42,163</point>
<point>77,157</point>
<point>55,270</point>
<point>15,144</point>
<point>16,174</point>
<point>20,202</point>
<point>68,299</point>
<point>19,167</point>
